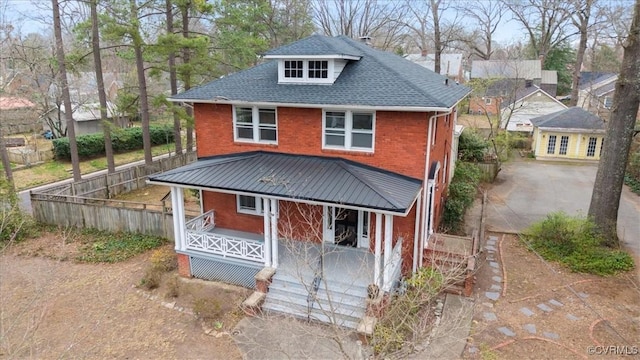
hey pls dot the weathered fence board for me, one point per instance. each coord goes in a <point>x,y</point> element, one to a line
<point>489,170</point>
<point>86,203</point>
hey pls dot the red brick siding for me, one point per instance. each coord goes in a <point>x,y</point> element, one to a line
<point>477,105</point>
<point>300,132</point>
<point>400,146</point>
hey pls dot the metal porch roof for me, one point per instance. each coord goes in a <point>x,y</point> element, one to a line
<point>311,178</point>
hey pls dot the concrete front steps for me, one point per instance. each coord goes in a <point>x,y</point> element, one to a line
<point>335,302</point>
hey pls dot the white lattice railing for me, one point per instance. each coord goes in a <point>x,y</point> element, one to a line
<point>225,245</point>
<point>204,222</point>
<point>395,265</point>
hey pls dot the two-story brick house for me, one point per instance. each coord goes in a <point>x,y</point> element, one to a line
<point>328,163</point>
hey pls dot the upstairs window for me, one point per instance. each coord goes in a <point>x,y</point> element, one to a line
<point>318,69</point>
<point>306,71</point>
<point>293,69</point>
<point>253,124</point>
<point>348,130</point>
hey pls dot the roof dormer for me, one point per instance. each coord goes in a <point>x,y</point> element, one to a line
<point>317,60</point>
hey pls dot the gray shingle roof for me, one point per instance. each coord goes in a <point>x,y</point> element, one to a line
<point>590,78</point>
<point>378,79</point>
<point>322,179</point>
<point>521,69</point>
<point>316,45</point>
<point>570,118</point>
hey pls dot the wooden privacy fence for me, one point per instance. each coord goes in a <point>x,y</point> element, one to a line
<point>489,170</point>
<point>122,181</point>
<point>79,205</point>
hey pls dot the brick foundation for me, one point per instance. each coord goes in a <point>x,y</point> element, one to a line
<point>184,266</point>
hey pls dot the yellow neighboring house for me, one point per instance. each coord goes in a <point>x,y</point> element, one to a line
<point>572,133</point>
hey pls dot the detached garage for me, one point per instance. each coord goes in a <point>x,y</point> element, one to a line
<point>572,133</point>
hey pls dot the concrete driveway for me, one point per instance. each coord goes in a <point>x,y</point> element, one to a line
<point>526,191</point>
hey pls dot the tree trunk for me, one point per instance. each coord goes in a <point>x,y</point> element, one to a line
<point>173,81</point>
<point>142,84</point>
<point>605,199</point>
<point>583,24</point>
<point>5,160</point>
<point>66,97</point>
<point>437,36</point>
<point>187,76</point>
<point>102,97</point>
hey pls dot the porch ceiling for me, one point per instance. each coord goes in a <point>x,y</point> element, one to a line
<point>312,178</point>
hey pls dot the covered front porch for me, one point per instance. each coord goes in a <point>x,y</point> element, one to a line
<point>317,220</point>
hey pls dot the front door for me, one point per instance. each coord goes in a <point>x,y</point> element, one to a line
<point>346,227</point>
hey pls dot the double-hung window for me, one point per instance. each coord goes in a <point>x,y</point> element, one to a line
<point>349,130</point>
<point>251,205</point>
<point>253,124</point>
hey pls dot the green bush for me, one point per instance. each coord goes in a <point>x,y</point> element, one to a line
<point>472,147</point>
<point>462,192</point>
<point>574,242</point>
<point>122,140</point>
<point>632,175</point>
<point>15,225</point>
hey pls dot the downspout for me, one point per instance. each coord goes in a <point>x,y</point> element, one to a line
<point>425,188</point>
<point>416,235</point>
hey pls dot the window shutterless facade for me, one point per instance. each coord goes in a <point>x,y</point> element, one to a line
<point>253,124</point>
<point>348,130</point>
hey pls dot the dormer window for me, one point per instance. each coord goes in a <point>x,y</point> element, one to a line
<point>293,69</point>
<point>312,71</point>
<point>318,69</point>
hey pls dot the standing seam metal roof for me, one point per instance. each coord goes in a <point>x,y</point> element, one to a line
<point>315,178</point>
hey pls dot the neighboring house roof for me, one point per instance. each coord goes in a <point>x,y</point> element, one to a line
<point>605,89</point>
<point>571,118</point>
<point>379,80</point>
<point>524,92</point>
<point>549,77</point>
<point>312,178</point>
<point>88,112</point>
<point>512,69</point>
<point>450,64</point>
<point>590,79</point>
<point>12,103</point>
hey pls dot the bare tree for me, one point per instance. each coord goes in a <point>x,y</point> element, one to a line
<point>173,78</point>
<point>582,20</point>
<point>487,16</point>
<point>102,97</point>
<point>543,20</point>
<point>605,199</point>
<point>66,97</point>
<point>432,27</point>
<point>380,21</point>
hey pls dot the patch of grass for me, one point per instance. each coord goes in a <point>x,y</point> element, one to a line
<point>208,309</point>
<point>574,242</point>
<point>106,247</point>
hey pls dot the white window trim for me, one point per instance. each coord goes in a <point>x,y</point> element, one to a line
<point>255,122</point>
<point>348,131</point>
<point>305,79</point>
<point>257,211</point>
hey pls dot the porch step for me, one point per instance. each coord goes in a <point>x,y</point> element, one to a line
<point>342,304</point>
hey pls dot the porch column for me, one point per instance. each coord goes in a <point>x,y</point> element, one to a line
<point>388,248</point>
<point>177,229</point>
<point>378,248</point>
<point>274,232</point>
<point>267,231</point>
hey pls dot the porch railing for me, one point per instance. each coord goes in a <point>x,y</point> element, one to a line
<point>201,236</point>
<point>204,222</point>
